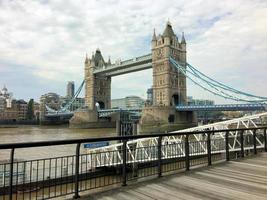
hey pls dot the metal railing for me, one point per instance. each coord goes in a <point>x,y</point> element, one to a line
<point>59,176</point>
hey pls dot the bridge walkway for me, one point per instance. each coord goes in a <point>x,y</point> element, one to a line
<point>241,179</point>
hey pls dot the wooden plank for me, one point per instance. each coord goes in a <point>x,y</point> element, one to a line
<point>232,185</point>
<point>153,193</point>
<point>216,190</point>
<point>138,195</point>
<point>175,193</point>
<point>244,179</point>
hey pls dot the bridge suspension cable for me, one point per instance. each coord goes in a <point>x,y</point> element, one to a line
<point>215,87</point>
<point>67,106</point>
<point>223,86</point>
<point>70,102</point>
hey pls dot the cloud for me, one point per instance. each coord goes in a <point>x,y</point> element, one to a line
<point>46,41</point>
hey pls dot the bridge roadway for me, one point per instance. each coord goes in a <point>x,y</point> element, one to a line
<point>222,107</point>
<point>127,66</point>
<point>243,179</point>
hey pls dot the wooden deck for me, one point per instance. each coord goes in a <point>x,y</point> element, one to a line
<point>243,179</point>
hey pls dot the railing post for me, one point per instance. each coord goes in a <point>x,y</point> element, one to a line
<point>254,141</point>
<point>118,127</point>
<point>265,140</point>
<point>11,173</point>
<point>159,156</point>
<point>242,143</point>
<point>227,145</point>
<point>77,166</point>
<point>209,149</point>
<point>187,156</point>
<point>124,162</point>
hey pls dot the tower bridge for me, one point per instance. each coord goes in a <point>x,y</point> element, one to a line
<point>170,72</point>
<point>169,85</point>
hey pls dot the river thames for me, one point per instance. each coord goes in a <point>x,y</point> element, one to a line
<point>46,133</point>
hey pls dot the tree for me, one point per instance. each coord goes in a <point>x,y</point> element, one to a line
<point>30,110</point>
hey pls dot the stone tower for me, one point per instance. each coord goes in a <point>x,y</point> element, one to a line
<point>97,88</point>
<point>169,85</point>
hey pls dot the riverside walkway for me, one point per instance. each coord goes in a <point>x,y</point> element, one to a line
<point>240,179</point>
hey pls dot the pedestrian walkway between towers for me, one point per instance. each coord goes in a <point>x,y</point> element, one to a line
<point>239,179</point>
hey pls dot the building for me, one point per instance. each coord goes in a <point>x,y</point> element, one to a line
<point>5,99</point>
<point>128,102</point>
<point>205,116</point>
<point>16,113</point>
<point>9,114</point>
<point>76,103</point>
<point>55,102</point>
<point>52,100</point>
<point>2,104</point>
<point>36,111</point>
<point>8,111</point>
<point>199,102</point>
<point>70,89</point>
<point>21,107</point>
<point>12,110</point>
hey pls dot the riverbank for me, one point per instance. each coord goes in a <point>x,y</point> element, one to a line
<point>8,126</point>
<point>22,122</point>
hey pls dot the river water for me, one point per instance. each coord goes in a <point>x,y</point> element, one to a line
<point>46,133</point>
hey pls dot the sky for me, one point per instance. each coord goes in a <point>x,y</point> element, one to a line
<point>43,43</point>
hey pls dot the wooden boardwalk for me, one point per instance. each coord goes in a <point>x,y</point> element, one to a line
<point>242,179</point>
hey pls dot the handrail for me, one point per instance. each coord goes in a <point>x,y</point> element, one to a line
<point>75,141</point>
<point>54,172</point>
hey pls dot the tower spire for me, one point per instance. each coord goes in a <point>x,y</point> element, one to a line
<point>168,22</point>
<point>154,35</point>
<point>86,59</point>
<point>168,32</point>
<point>183,39</point>
<point>93,56</point>
<point>109,62</point>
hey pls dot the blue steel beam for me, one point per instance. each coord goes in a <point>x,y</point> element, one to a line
<point>224,107</point>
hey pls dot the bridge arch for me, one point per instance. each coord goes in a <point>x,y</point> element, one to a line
<point>100,105</point>
<point>175,100</point>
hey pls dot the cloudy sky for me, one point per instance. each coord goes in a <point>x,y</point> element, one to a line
<point>43,43</point>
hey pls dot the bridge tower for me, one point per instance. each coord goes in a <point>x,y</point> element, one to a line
<point>169,85</point>
<point>97,88</point>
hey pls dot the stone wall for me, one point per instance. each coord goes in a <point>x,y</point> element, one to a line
<point>165,118</point>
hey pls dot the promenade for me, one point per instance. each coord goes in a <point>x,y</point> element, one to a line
<point>242,179</point>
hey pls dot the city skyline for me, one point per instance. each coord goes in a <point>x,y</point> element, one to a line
<point>41,52</point>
